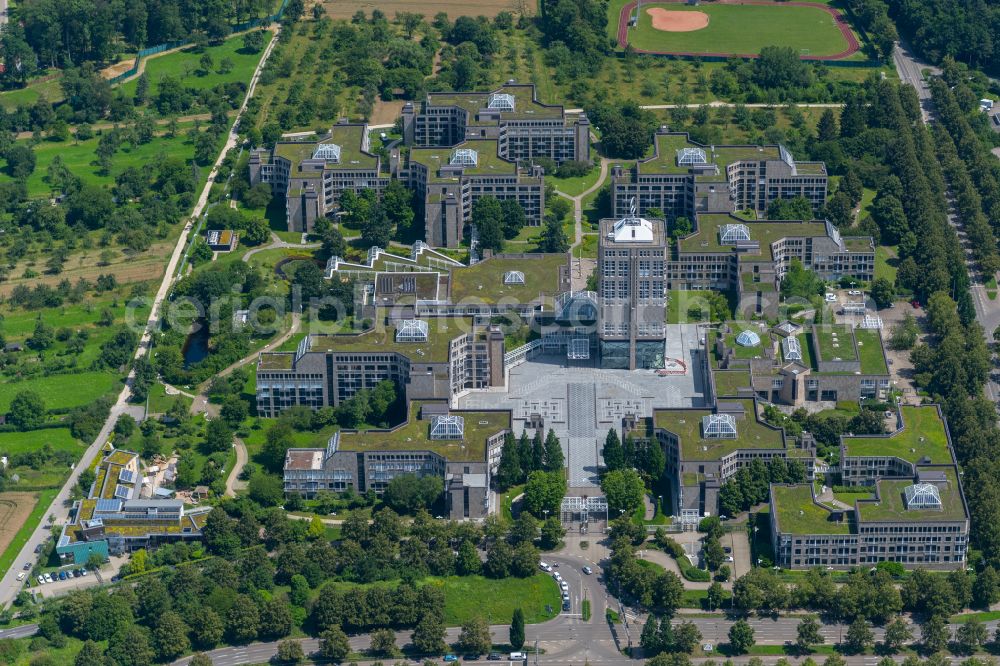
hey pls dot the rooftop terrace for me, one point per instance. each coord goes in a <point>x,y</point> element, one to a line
<point>415,436</point>
<point>798,513</point>
<point>686,424</point>
<point>923,436</point>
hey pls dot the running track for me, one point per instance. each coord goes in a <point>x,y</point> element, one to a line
<point>845,30</point>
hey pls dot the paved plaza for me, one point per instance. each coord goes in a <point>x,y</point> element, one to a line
<point>581,402</point>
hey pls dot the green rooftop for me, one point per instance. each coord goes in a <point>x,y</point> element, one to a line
<point>484,281</point>
<point>686,424</point>
<point>706,238</point>
<point>487,160</point>
<point>350,138</point>
<point>835,342</point>
<point>923,435</point>
<point>891,502</point>
<point>667,145</point>
<point>415,436</point>
<point>728,382</point>
<point>525,105</point>
<point>798,513</point>
<point>870,352</point>
<point>440,332</point>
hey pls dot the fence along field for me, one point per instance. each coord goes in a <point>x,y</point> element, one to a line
<point>341,9</point>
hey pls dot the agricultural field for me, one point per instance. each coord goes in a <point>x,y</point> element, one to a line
<point>63,391</point>
<point>19,514</point>
<point>739,29</point>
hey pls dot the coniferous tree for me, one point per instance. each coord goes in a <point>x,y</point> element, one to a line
<point>614,457</point>
<point>554,459</point>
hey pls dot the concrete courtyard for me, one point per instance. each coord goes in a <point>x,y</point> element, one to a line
<point>581,401</point>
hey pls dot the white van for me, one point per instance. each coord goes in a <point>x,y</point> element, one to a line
<point>518,656</point>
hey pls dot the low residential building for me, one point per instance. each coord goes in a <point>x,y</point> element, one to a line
<point>461,447</point>
<point>915,513</point>
<point>113,519</point>
<point>512,115</point>
<point>311,173</point>
<point>684,178</point>
<point>450,180</point>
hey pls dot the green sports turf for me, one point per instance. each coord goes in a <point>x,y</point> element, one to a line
<point>744,29</point>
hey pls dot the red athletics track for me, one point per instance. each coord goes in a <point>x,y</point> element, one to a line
<point>845,30</point>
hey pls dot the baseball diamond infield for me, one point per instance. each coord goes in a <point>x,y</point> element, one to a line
<point>738,28</point>
<point>671,21</point>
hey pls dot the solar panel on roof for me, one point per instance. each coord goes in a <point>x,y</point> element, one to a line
<point>122,491</point>
<point>107,505</point>
<point>127,476</point>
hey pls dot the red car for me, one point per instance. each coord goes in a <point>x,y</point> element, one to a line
<point>915,304</point>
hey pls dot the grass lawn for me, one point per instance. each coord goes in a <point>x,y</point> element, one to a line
<point>61,391</point>
<point>744,29</point>
<point>160,402</point>
<point>49,89</point>
<point>508,499</point>
<point>81,159</point>
<point>886,261</point>
<point>59,439</point>
<point>574,186</point>
<point>495,600</point>
<point>587,249</point>
<point>45,498</point>
<point>185,65</point>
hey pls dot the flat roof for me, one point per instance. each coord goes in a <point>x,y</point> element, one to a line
<point>686,424</point>
<point>525,104</point>
<point>488,161</point>
<point>891,502</point>
<point>414,435</point>
<point>798,513</point>
<point>349,137</point>
<point>728,381</point>
<point>923,436</point>
<point>441,331</point>
<point>483,281</point>
<point>706,237</point>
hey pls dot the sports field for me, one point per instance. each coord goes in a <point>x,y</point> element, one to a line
<point>814,30</point>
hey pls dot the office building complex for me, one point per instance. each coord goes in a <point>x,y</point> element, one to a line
<point>523,127</point>
<point>915,514</point>
<point>684,178</point>
<point>461,447</point>
<point>449,180</point>
<point>312,174</point>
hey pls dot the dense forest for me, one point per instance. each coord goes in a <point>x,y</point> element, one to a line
<point>62,33</point>
<point>966,30</point>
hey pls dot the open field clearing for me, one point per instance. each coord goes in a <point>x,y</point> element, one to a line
<point>19,513</point>
<point>454,8</point>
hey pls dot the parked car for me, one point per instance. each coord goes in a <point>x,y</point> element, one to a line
<point>493,656</point>
<point>48,578</point>
<point>83,572</point>
<point>20,575</point>
<point>587,570</point>
<point>27,566</point>
<point>518,656</point>
<point>38,549</point>
<point>544,567</point>
<point>830,298</point>
<point>450,657</point>
<point>707,647</point>
<point>729,558</point>
<point>41,579</point>
<point>854,292</point>
<point>471,657</point>
<point>727,549</point>
<point>62,575</point>
<point>565,604</point>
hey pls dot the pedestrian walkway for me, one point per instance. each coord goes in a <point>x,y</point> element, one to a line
<point>581,454</point>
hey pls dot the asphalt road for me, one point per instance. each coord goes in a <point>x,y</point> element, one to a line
<point>58,513</point>
<point>910,70</point>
